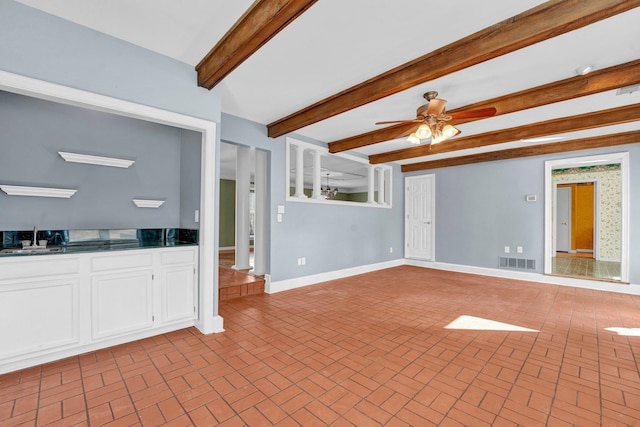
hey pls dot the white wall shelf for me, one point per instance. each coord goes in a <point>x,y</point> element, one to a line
<point>145,203</point>
<point>95,160</point>
<point>19,190</point>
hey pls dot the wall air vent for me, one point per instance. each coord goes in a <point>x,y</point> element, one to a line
<point>516,263</point>
<point>628,90</point>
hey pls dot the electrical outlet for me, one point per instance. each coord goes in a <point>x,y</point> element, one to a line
<point>299,261</point>
<point>196,216</point>
<point>279,218</point>
<point>304,260</point>
<point>507,249</point>
<point>390,250</point>
<point>519,249</point>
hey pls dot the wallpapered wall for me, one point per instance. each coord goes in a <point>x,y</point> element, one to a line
<point>610,195</point>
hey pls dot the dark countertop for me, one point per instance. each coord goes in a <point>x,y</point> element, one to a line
<point>62,241</point>
<point>91,247</point>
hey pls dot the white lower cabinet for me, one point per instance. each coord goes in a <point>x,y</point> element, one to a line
<point>38,316</point>
<point>121,303</point>
<point>178,293</point>
<point>54,306</point>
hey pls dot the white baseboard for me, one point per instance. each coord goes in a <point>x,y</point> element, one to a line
<point>211,325</point>
<point>609,259</point>
<point>633,289</point>
<point>298,282</point>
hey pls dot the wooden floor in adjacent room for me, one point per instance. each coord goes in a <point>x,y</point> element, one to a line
<point>406,346</point>
<point>584,265</point>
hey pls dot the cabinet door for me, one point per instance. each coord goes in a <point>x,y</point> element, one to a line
<point>178,293</point>
<point>121,303</point>
<point>38,316</point>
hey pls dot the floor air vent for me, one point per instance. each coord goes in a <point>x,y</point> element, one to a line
<point>517,263</point>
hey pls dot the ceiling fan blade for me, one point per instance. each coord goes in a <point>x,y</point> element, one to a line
<point>399,121</point>
<point>474,114</point>
<point>436,106</point>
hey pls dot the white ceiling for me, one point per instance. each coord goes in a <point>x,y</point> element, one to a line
<point>336,44</point>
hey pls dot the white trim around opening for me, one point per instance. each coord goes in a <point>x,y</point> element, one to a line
<point>208,319</point>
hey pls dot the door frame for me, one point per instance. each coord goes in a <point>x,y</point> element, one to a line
<point>601,159</point>
<point>433,214</point>
<point>596,212</point>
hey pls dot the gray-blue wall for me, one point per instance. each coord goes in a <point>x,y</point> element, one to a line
<point>34,130</point>
<point>330,237</point>
<point>36,44</point>
<point>190,158</point>
<point>39,45</point>
<point>481,208</point>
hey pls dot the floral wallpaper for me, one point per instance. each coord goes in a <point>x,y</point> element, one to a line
<point>610,221</point>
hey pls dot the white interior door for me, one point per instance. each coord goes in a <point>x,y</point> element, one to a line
<point>563,219</point>
<point>419,217</point>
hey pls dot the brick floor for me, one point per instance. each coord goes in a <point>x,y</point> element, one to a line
<point>368,350</point>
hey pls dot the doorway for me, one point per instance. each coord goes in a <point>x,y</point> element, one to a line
<point>587,218</point>
<point>243,221</point>
<point>419,217</point>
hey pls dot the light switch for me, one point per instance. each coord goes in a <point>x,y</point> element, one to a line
<point>507,249</point>
<point>279,218</point>
<point>280,209</point>
<point>519,249</point>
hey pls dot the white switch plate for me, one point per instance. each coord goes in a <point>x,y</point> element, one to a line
<point>507,249</point>
<point>519,249</point>
<point>304,260</point>
<point>280,209</point>
<point>279,218</point>
<point>196,216</point>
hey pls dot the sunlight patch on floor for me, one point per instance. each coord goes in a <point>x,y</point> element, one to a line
<point>480,324</point>
<point>629,332</point>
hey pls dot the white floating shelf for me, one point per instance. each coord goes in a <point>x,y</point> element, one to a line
<point>19,190</point>
<point>145,203</point>
<point>95,160</point>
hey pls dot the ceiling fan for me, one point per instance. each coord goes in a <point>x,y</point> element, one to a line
<point>433,120</point>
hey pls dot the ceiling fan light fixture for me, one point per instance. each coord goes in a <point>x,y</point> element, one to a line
<point>413,139</point>
<point>423,132</point>
<point>449,131</point>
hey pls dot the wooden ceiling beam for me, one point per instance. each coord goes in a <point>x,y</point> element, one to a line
<point>532,150</point>
<point>598,81</point>
<point>263,20</point>
<point>613,116</point>
<point>547,20</point>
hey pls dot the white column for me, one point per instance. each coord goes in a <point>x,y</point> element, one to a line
<point>243,183</point>
<point>381,192</point>
<point>371,184</point>
<point>260,231</point>
<point>299,172</point>
<point>317,179</point>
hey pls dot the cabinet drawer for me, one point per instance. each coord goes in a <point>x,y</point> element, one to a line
<point>30,267</point>
<point>117,262</point>
<point>178,257</point>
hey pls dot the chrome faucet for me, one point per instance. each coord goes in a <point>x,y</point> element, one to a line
<point>35,235</point>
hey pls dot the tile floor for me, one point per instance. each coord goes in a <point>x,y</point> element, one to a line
<point>405,346</point>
